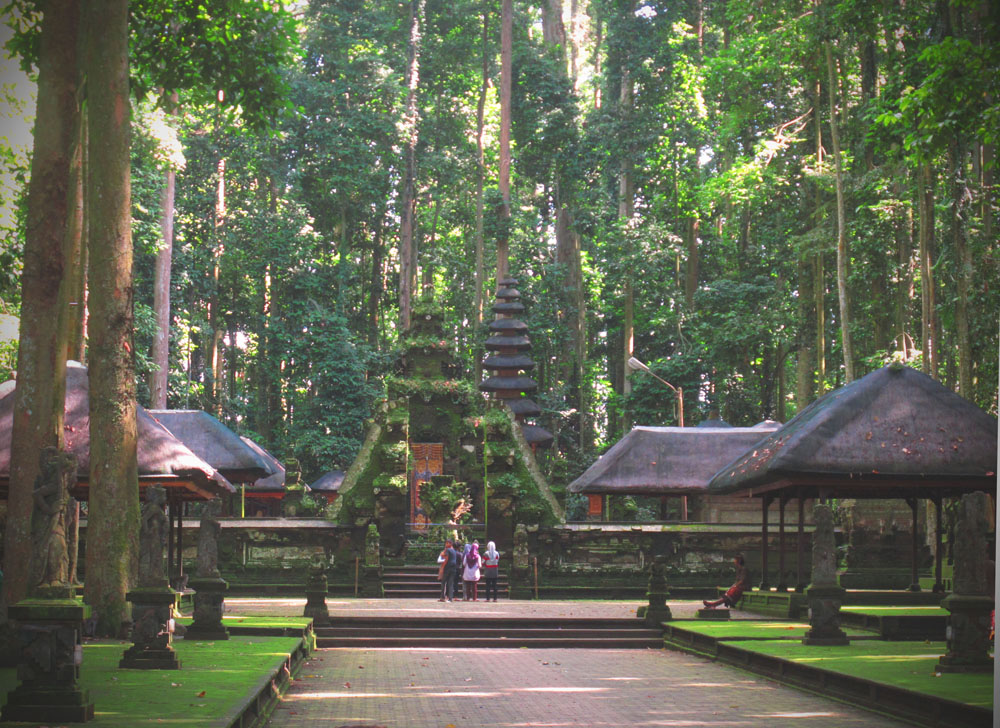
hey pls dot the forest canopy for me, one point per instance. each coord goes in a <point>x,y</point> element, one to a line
<point>761,201</point>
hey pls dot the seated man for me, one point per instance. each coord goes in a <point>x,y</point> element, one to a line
<point>733,593</point>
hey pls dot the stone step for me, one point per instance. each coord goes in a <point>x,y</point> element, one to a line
<point>508,633</point>
<point>494,642</point>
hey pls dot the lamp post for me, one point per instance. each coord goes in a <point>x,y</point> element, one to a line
<point>635,364</point>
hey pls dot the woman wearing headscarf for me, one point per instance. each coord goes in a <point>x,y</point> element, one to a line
<point>470,576</point>
<point>491,569</point>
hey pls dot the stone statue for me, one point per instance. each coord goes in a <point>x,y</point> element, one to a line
<point>971,603</point>
<point>824,594</point>
<point>824,548</point>
<point>153,539</point>
<point>50,552</point>
<point>521,547</point>
<point>970,551</point>
<point>208,541</point>
<point>372,546</point>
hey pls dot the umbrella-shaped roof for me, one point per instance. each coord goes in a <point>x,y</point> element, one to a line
<point>895,431</point>
<point>215,443</point>
<point>328,482</point>
<point>666,460</point>
<point>162,458</point>
<point>273,483</point>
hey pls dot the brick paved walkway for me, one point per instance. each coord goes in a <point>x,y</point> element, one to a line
<point>512,688</point>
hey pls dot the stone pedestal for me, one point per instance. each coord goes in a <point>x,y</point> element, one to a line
<point>209,599</point>
<point>968,634</point>
<point>152,631</point>
<point>715,614</point>
<point>317,589</point>
<point>50,653</point>
<point>824,616</point>
<point>370,585</point>
<point>656,610</point>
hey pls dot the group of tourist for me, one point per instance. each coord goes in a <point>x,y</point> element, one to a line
<point>462,567</point>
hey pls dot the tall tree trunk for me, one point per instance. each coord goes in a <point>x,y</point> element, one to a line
<point>819,290</point>
<point>925,199</point>
<point>408,198</point>
<point>161,286</point>
<point>625,211</point>
<point>215,321</point>
<point>377,286</point>
<point>480,179</point>
<point>804,366</point>
<point>113,526</point>
<point>76,244</point>
<point>39,399</point>
<point>845,311</point>
<point>692,230</point>
<point>963,259</point>
<point>506,69</point>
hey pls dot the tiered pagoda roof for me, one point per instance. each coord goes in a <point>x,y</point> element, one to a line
<point>508,361</point>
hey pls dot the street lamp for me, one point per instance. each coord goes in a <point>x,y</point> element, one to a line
<point>635,364</point>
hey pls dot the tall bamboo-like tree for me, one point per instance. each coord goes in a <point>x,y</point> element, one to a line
<point>41,365</point>
<point>113,523</point>
<point>408,195</point>
<point>506,79</point>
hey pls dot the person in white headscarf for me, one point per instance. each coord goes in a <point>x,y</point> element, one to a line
<point>491,569</point>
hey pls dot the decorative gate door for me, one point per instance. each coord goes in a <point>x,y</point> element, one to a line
<point>428,460</point>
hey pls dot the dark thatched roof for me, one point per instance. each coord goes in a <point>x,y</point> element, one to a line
<point>328,482</point>
<point>162,458</point>
<point>537,436</point>
<point>273,483</point>
<point>896,432</point>
<point>665,460</point>
<point>214,443</point>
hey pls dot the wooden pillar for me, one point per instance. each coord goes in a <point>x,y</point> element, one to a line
<point>800,567</point>
<point>938,551</point>
<point>663,507</point>
<point>180,539</point>
<point>782,501</point>
<point>684,507</point>
<point>765,585</point>
<point>914,547</point>
<point>171,512</point>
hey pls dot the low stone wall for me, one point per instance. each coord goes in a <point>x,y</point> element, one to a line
<point>277,551</point>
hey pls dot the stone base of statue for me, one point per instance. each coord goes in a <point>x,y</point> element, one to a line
<point>824,616</point>
<point>657,610</point>
<point>370,584</point>
<point>209,601</point>
<point>520,585</point>
<point>317,589</point>
<point>50,654</point>
<point>721,614</point>
<point>151,630</point>
<point>968,634</point>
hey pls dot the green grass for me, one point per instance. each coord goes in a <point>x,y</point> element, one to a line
<point>907,665</point>
<point>755,629</point>
<point>230,620</point>
<point>214,678</point>
<point>898,611</point>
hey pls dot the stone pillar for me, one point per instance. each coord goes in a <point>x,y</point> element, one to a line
<point>970,602</point>
<point>371,568</point>
<point>520,572</point>
<point>317,588</point>
<point>210,588</point>
<point>824,594</point>
<point>153,601</point>
<point>50,620</point>
<point>656,593</point>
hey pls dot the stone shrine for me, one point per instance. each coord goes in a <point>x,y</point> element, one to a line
<point>210,588</point>
<point>153,601</point>
<point>824,594</point>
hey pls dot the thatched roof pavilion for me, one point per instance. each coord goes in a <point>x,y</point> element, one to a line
<point>216,444</point>
<point>162,458</point>
<point>895,433</point>
<point>666,460</point>
<point>272,485</point>
<point>327,486</point>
